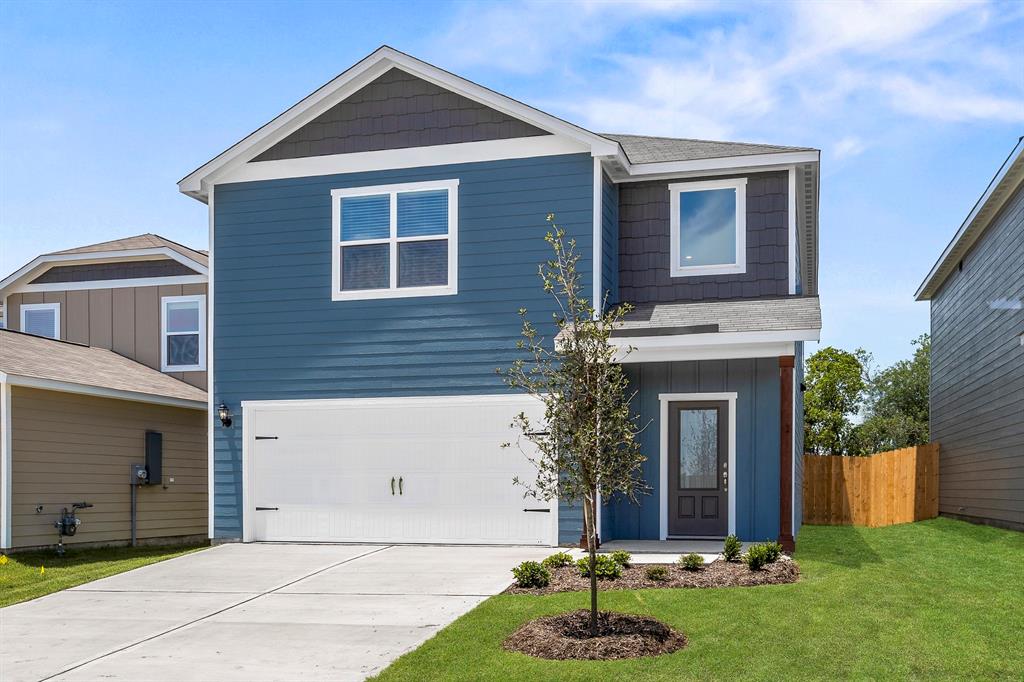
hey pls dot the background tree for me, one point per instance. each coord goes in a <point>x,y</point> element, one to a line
<point>896,404</point>
<point>588,440</point>
<point>835,380</point>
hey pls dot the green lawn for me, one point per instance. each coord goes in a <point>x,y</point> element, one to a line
<point>21,579</point>
<point>936,599</point>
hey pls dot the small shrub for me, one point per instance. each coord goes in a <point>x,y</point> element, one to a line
<point>606,568</point>
<point>658,573</point>
<point>762,554</point>
<point>557,560</point>
<point>732,549</point>
<point>622,558</point>
<point>691,562</point>
<point>531,574</point>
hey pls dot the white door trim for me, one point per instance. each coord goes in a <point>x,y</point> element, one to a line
<point>665,399</point>
<point>250,409</point>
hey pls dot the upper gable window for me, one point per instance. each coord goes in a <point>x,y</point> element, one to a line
<point>183,333</point>
<point>41,319</point>
<point>393,241</point>
<point>708,226</point>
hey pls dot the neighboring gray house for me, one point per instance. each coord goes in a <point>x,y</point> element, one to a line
<point>976,289</point>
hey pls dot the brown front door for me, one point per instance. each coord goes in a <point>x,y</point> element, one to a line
<point>698,456</point>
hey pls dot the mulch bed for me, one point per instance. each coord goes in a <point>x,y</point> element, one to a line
<point>620,635</point>
<point>718,573</point>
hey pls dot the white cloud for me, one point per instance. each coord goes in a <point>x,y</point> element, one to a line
<point>847,147</point>
<point>951,101</point>
<point>789,73</point>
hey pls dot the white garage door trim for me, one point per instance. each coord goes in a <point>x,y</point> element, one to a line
<point>252,408</point>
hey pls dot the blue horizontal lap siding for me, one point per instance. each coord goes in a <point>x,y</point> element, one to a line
<point>278,334</point>
<point>756,383</point>
<point>610,238</point>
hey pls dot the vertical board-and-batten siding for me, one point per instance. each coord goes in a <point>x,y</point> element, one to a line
<point>395,111</point>
<point>71,448</point>
<point>644,245</point>
<point>280,336</point>
<point>126,320</point>
<point>756,478</point>
<point>977,376</point>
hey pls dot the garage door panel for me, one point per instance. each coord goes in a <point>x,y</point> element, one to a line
<point>327,473</point>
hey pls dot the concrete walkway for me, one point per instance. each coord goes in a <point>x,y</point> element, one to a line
<point>253,612</point>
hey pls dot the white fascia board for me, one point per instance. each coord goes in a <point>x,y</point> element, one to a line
<point>399,401</point>
<point>100,391</point>
<point>5,463</point>
<point>737,351</point>
<point>197,183</point>
<point>709,346</point>
<point>112,283</point>
<point>97,257</point>
<point>986,206</point>
<point>725,163</point>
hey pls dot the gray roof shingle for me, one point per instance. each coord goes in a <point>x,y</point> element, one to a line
<point>752,315</point>
<point>38,357</point>
<point>646,149</point>
<point>141,241</point>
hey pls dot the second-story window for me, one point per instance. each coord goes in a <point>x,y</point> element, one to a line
<point>394,241</point>
<point>41,319</point>
<point>708,223</point>
<point>183,333</point>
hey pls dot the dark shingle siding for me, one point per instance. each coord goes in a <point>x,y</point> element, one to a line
<point>977,380</point>
<point>644,246</point>
<point>397,111</point>
<point>105,271</point>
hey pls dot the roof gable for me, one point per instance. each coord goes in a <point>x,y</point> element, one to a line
<point>197,183</point>
<point>398,110</point>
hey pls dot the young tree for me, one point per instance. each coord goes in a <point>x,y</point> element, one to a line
<point>588,439</point>
<point>835,380</point>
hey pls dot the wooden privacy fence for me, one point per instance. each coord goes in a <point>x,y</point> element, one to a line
<point>898,486</point>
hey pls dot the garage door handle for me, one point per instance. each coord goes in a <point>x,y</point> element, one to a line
<point>399,485</point>
<point>266,508</point>
<point>543,511</point>
<point>392,485</point>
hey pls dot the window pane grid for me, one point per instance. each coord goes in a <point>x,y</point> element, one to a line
<point>419,218</point>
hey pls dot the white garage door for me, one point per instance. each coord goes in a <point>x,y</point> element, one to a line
<point>391,470</point>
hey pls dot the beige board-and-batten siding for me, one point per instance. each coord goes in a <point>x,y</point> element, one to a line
<point>78,448</point>
<point>125,320</point>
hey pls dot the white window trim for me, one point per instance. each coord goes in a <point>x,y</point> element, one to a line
<point>393,240</point>
<point>195,298</point>
<point>740,264</point>
<point>664,399</point>
<point>55,307</point>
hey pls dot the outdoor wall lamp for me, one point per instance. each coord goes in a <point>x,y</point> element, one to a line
<point>225,415</point>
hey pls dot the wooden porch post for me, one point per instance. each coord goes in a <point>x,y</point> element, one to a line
<point>786,453</point>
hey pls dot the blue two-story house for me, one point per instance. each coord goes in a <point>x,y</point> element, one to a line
<point>369,250</point>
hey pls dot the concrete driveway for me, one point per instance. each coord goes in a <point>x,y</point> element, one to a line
<point>253,612</point>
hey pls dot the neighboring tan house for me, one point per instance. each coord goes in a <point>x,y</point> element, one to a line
<point>976,290</point>
<point>103,344</point>
<point>370,249</point>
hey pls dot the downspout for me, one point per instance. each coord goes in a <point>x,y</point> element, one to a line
<point>5,462</point>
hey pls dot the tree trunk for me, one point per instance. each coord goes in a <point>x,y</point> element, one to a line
<point>588,519</point>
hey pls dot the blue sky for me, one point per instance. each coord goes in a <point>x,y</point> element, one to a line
<point>104,106</point>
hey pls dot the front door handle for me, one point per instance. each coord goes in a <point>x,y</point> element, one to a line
<point>392,485</point>
<point>399,485</point>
